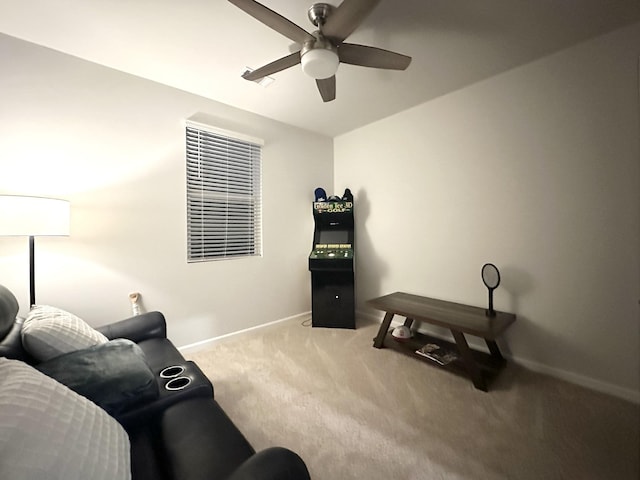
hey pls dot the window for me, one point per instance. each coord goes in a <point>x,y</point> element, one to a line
<point>223,194</point>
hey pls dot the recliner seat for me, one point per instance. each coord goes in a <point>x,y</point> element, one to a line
<point>179,435</point>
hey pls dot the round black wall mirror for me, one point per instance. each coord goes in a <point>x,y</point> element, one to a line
<point>491,278</point>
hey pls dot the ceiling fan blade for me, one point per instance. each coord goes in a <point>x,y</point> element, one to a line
<point>327,88</point>
<point>273,67</point>
<point>346,18</point>
<point>372,57</point>
<point>274,20</point>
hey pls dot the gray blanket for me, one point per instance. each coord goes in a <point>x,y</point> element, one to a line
<point>113,375</point>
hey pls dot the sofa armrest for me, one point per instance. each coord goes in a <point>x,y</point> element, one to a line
<point>275,463</point>
<point>138,328</point>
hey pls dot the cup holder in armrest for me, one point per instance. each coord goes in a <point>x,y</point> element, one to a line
<point>177,383</point>
<point>172,371</point>
<point>188,381</point>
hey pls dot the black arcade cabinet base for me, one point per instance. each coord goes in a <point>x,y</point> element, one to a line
<point>332,299</point>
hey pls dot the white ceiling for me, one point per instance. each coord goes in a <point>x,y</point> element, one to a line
<point>202,46</point>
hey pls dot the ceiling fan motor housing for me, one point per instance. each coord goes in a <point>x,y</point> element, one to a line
<point>318,13</point>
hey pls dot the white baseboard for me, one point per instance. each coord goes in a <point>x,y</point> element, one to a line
<point>201,345</point>
<point>582,380</point>
<point>575,378</point>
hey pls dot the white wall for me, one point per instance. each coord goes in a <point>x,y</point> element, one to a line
<point>536,170</point>
<point>113,145</point>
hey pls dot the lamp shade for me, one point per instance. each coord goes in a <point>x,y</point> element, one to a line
<point>33,216</point>
<point>320,63</point>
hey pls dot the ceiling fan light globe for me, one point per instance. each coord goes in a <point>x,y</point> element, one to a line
<point>320,63</point>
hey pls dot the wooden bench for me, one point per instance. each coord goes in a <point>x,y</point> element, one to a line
<point>459,319</point>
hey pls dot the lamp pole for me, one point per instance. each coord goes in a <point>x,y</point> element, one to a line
<point>32,270</point>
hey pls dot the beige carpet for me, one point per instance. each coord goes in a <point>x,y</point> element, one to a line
<point>355,412</point>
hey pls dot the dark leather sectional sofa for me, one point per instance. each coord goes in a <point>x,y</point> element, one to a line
<point>179,434</point>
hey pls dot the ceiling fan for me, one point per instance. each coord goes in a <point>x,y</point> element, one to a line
<point>323,50</point>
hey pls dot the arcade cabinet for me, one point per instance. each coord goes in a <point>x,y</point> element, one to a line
<point>331,262</point>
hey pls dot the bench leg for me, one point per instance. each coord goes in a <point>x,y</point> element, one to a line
<point>469,362</point>
<point>495,351</point>
<point>384,328</point>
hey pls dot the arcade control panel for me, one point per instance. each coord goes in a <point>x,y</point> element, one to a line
<point>337,256</point>
<point>328,251</point>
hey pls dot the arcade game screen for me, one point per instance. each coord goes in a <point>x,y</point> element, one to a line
<point>334,237</point>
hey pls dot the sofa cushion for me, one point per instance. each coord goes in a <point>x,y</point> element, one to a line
<point>113,375</point>
<point>49,432</point>
<point>49,331</point>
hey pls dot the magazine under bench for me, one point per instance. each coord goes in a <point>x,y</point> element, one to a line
<point>460,319</point>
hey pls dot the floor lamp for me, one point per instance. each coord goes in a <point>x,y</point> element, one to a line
<point>33,217</point>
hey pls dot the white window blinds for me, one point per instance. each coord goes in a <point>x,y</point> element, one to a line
<point>223,196</point>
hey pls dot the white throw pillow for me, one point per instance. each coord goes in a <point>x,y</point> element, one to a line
<point>49,432</point>
<point>49,331</point>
